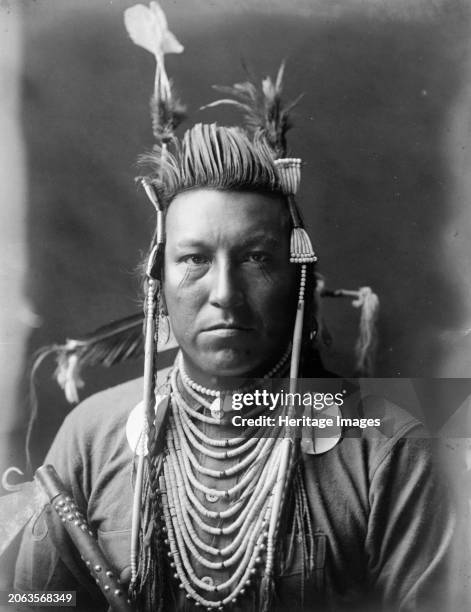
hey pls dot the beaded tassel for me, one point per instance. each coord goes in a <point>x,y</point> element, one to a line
<point>301,250</point>
<point>289,174</point>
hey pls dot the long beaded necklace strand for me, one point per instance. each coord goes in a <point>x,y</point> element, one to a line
<point>246,544</point>
<point>246,518</point>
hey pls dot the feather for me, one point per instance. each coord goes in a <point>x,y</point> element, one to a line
<point>264,111</point>
<point>147,27</point>
<point>167,112</point>
<point>365,347</point>
<point>108,345</point>
<point>368,303</point>
<point>239,105</point>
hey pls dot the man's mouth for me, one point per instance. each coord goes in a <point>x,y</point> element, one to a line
<point>226,329</point>
<point>227,325</point>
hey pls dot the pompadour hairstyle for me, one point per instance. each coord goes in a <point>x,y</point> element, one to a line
<point>214,157</point>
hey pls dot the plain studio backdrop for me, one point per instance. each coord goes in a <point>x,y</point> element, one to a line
<point>383,129</point>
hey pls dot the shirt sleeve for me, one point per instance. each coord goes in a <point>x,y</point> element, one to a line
<point>47,558</point>
<point>47,561</point>
<point>410,539</point>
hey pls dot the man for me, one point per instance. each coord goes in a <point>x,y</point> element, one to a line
<point>216,515</point>
<point>230,293</point>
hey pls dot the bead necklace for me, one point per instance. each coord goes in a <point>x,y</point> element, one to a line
<point>192,541</point>
<point>246,480</point>
<point>248,459</point>
<point>249,501</point>
<point>276,369</point>
<point>209,452</point>
<point>247,523</point>
<point>248,544</point>
<point>229,512</point>
<point>189,413</point>
<point>185,574</point>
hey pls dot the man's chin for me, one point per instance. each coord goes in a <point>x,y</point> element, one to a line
<point>228,362</point>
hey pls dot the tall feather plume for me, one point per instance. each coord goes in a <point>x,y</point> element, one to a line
<point>263,109</point>
<point>147,27</point>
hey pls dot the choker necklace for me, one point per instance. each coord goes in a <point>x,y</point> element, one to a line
<point>276,369</point>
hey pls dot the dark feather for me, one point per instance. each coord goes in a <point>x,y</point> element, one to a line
<point>167,114</point>
<point>110,344</point>
<point>263,108</point>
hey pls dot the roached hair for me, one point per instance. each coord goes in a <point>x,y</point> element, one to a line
<point>214,157</point>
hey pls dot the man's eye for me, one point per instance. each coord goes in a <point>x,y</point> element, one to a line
<point>258,257</point>
<point>196,260</point>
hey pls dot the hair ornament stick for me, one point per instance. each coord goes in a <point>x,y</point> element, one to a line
<point>147,27</point>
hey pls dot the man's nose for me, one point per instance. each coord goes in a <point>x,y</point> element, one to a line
<point>225,291</point>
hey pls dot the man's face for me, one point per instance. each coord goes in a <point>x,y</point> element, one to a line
<point>228,284</point>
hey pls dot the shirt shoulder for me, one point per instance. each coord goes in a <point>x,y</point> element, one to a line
<point>374,433</point>
<point>91,445</point>
<point>107,410</point>
<point>386,428</point>
<point>106,407</point>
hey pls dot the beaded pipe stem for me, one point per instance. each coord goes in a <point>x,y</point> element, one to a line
<point>82,536</point>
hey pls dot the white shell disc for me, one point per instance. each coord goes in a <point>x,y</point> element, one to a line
<point>216,409</point>
<point>319,443</point>
<point>136,427</point>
